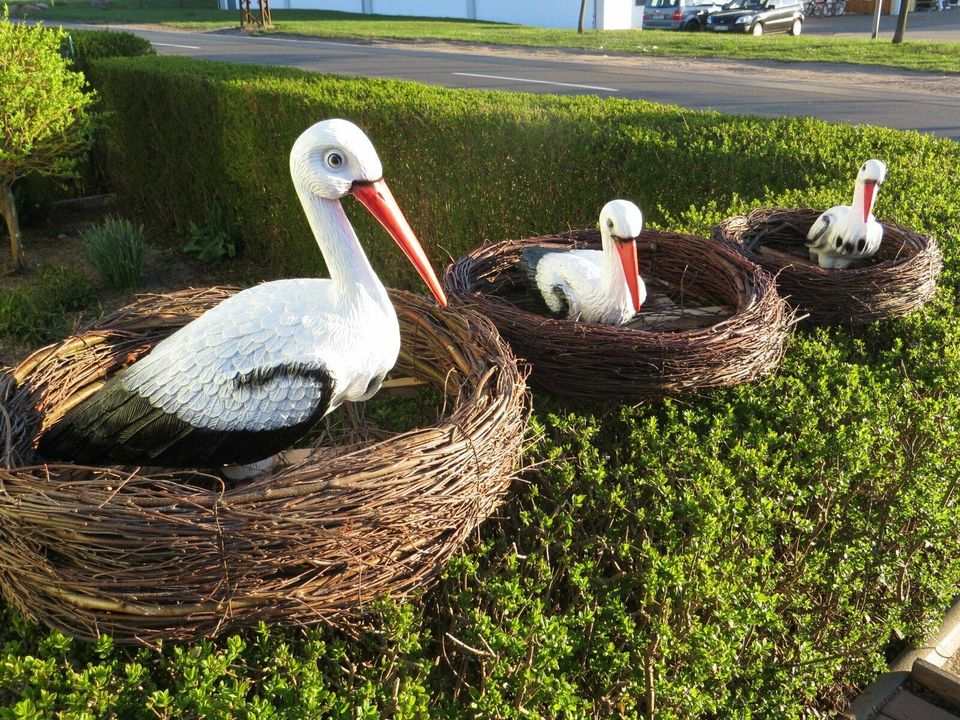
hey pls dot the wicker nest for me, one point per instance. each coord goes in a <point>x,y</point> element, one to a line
<point>901,277</point>
<point>711,319</point>
<point>146,555</point>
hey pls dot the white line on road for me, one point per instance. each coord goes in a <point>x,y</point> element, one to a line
<point>538,82</point>
<point>185,47</point>
<point>310,42</point>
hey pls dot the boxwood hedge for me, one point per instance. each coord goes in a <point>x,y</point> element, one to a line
<point>85,46</point>
<point>752,553</point>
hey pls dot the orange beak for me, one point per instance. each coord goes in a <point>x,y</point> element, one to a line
<point>868,189</point>
<point>627,250</point>
<point>378,199</point>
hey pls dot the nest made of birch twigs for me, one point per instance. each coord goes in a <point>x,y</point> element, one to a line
<point>146,554</point>
<point>898,279</point>
<point>712,318</point>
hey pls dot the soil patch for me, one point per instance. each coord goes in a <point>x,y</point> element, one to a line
<point>57,241</point>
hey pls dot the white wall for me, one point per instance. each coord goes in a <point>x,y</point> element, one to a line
<point>544,13</point>
<point>354,6</point>
<point>614,14</point>
<point>600,14</point>
<point>423,8</point>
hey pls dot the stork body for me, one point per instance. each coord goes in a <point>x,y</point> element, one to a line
<point>250,376</point>
<point>597,286</point>
<point>846,233</point>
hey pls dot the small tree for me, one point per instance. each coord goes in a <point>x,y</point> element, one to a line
<point>45,119</point>
<point>901,22</point>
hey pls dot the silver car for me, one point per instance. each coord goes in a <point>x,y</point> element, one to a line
<point>678,14</point>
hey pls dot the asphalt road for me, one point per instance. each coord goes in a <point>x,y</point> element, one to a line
<point>742,88</point>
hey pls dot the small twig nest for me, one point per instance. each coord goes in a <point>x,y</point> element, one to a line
<point>146,555</point>
<point>898,279</point>
<point>712,319</point>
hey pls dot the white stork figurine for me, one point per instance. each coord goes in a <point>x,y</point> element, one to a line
<point>597,286</point>
<point>251,375</point>
<point>846,233</point>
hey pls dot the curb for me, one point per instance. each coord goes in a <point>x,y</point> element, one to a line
<point>937,651</point>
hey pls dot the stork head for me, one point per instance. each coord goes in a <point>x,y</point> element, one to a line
<point>620,224</point>
<point>871,176</point>
<point>334,158</point>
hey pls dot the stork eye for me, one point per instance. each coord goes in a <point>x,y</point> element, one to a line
<point>610,224</point>
<point>334,160</point>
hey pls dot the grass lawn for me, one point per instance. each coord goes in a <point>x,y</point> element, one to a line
<point>202,15</point>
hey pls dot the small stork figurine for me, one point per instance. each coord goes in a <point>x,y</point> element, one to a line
<point>250,376</point>
<point>597,286</point>
<point>846,233</point>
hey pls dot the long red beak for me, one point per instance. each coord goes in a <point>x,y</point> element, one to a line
<point>628,258</point>
<point>378,199</point>
<point>868,189</point>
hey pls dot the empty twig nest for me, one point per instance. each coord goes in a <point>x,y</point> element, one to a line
<point>898,279</point>
<point>712,318</point>
<point>146,555</point>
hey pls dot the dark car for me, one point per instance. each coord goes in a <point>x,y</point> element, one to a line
<point>678,14</point>
<point>758,17</point>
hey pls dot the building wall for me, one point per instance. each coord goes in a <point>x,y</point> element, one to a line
<point>600,14</point>
<point>423,8</point>
<point>614,14</point>
<point>543,13</point>
<point>355,6</point>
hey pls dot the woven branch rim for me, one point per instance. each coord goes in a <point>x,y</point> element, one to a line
<point>902,278</point>
<point>313,542</point>
<point>587,361</point>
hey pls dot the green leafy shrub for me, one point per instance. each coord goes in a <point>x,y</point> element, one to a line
<point>210,240</point>
<point>39,312</point>
<point>116,250</point>
<point>46,114</point>
<point>750,553</point>
<point>85,46</point>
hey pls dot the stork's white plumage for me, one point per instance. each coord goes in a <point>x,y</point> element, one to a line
<point>846,233</point>
<point>598,286</point>
<point>251,375</point>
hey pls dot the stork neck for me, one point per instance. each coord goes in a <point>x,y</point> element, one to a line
<point>346,262</point>
<point>859,193</point>
<point>614,281</point>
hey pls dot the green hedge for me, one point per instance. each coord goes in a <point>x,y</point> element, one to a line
<point>85,46</point>
<point>752,553</point>
<point>468,166</point>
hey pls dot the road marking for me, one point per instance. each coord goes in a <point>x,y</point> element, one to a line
<point>185,47</point>
<point>312,42</point>
<point>538,82</point>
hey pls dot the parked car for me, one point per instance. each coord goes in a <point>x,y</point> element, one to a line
<point>678,14</point>
<point>758,17</point>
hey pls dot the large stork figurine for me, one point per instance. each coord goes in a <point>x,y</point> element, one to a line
<point>596,286</point>
<point>846,233</point>
<point>251,375</point>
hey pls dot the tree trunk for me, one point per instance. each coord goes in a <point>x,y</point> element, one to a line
<point>583,13</point>
<point>901,23</point>
<point>8,209</point>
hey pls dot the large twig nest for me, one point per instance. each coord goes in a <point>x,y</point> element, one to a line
<point>146,555</point>
<point>712,318</point>
<point>898,279</point>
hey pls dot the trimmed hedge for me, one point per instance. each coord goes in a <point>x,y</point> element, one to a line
<point>467,166</point>
<point>85,46</point>
<point>751,553</point>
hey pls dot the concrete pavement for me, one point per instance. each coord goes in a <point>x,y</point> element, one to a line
<point>921,25</point>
